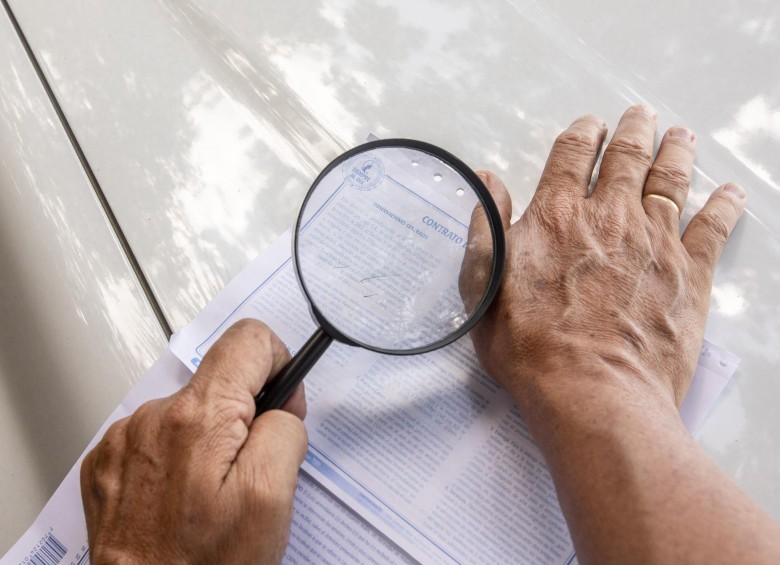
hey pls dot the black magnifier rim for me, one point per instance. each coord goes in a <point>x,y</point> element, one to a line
<point>491,213</point>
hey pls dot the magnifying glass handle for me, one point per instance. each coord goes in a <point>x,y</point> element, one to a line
<point>279,389</point>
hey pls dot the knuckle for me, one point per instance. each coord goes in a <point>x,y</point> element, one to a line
<point>669,173</point>
<point>701,252</point>
<point>554,217</point>
<point>478,257</point>
<point>139,420</point>
<point>87,467</point>
<point>145,411</point>
<point>181,412</point>
<point>616,233</point>
<point>251,327</point>
<point>574,144</point>
<point>562,172</point>
<point>101,467</point>
<point>112,443</point>
<point>715,225</point>
<point>271,496</point>
<point>114,432</point>
<point>287,426</point>
<point>727,206</point>
<point>245,335</point>
<point>631,148</point>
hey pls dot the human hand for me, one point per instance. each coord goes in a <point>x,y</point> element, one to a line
<point>601,289</point>
<point>192,478</point>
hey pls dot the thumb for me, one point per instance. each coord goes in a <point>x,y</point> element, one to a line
<point>265,476</point>
<point>274,450</point>
<point>478,260</point>
<point>497,188</point>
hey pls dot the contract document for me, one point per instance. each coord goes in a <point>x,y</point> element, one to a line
<point>414,458</point>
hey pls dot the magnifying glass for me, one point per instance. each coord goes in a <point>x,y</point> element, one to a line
<point>379,248</point>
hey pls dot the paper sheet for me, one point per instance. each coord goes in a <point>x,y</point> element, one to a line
<point>322,529</point>
<point>426,449</point>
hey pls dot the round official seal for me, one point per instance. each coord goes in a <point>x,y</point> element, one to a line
<point>364,172</point>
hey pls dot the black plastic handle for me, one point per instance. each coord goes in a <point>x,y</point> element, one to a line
<point>279,389</point>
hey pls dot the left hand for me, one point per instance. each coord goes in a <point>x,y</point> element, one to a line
<point>600,288</point>
<point>192,478</point>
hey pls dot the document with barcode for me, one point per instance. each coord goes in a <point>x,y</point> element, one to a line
<point>323,529</point>
<point>421,458</point>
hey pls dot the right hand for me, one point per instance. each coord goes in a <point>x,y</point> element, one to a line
<point>600,288</point>
<point>194,478</point>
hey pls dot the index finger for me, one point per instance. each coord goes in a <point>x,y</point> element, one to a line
<point>572,158</point>
<point>238,365</point>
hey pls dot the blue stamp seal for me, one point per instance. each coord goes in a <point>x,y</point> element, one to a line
<point>364,172</point>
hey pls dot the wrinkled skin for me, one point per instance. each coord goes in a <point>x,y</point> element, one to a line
<point>604,280</point>
<point>192,478</point>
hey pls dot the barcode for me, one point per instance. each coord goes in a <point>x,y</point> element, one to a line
<point>84,558</point>
<point>52,552</point>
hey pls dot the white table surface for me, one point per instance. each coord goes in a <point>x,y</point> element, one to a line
<point>75,329</point>
<point>206,121</point>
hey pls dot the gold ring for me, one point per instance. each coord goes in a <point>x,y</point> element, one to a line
<point>665,199</point>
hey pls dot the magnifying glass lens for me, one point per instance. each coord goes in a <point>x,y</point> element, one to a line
<point>398,248</point>
<point>380,246</point>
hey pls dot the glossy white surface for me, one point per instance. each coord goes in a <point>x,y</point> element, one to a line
<point>206,121</point>
<point>76,331</point>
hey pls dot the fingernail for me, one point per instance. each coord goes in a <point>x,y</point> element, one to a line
<point>593,119</point>
<point>483,176</point>
<point>645,109</point>
<point>682,133</point>
<point>735,189</point>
